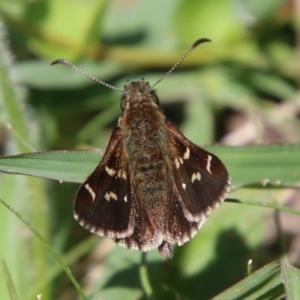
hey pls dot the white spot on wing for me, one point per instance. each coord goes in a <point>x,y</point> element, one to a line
<point>125,198</point>
<point>121,174</point>
<point>90,190</point>
<point>181,160</point>
<point>113,195</point>
<point>110,195</point>
<point>195,176</point>
<point>184,186</point>
<point>186,154</point>
<point>107,196</point>
<point>110,171</point>
<point>208,165</point>
<point>177,164</point>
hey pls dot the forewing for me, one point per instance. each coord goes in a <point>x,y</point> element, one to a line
<point>201,179</point>
<point>103,203</point>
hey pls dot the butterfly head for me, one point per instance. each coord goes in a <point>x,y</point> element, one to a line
<point>138,93</point>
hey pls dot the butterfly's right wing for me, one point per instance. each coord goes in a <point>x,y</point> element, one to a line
<point>200,184</point>
<point>103,203</point>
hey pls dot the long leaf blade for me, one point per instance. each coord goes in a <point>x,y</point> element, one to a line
<point>246,165</point>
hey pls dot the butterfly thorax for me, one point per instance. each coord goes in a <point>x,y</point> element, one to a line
<point>144,138</point>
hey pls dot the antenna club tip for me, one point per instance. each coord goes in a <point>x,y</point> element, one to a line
<point>200,41</point>
<point>60,61</point>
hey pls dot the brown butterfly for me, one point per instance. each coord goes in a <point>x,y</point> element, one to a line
<point>153,187</point>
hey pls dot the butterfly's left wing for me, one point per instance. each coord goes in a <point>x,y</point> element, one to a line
<point>103,203</point>
<point>200,183</point>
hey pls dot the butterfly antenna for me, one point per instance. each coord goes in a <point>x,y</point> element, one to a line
<point>197,43</point>
<point>69,64</point>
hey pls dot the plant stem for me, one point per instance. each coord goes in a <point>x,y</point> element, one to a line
<point>144,277</point>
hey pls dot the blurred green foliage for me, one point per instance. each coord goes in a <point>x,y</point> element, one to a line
<point>241,88</point>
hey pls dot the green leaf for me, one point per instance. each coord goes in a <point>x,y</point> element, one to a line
<point>54,35</point>
<point>199,113</point>
<point>273,85</point>
<point>214,19</point>
<point>72,166</point>
<point>50,250</point>
<point>291,279</point>
<point>41,75</point>
<point>258,165</point>
<point>20,191</point>
<point>265,283</point>
<point>9,282</point>
<point>266,164</point>
<point>262,10</point>
<point>10,97</point>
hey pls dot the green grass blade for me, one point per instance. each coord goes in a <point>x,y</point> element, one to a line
<point>265,204</point>
<point>50,249</point>
<point>246,165</point>
<point>70,166</point>
<point>73,256</point>
<point>291,279</point>
<point>265,283</point>
<point>144,277</point>
<point>22,136</point>
<point>9,282</point>
<point>10,97</point>
<point>274,164</point>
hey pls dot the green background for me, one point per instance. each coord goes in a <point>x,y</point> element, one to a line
<point>240,89</point>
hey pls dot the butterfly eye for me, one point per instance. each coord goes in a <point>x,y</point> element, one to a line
<point>155,98</point>
<point>124,103</point>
